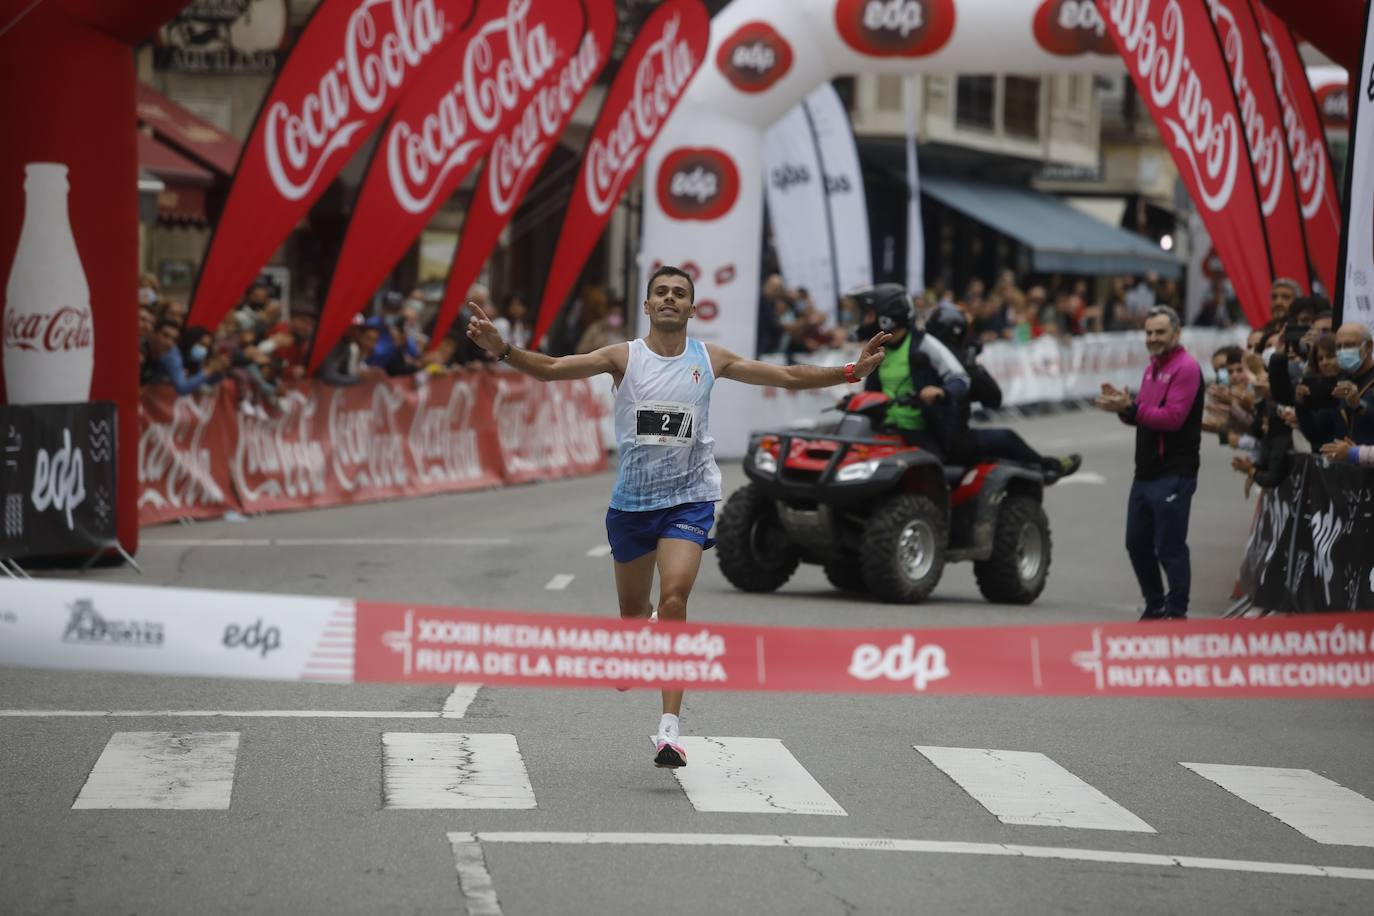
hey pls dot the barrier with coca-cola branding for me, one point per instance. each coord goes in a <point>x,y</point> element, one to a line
<point>481,85</point>
<point>87,626</point>
<point>201,455</point>
<point>57,479</point>
<point>517,158</point>
<point>346,72</point>
<point>652,77</point>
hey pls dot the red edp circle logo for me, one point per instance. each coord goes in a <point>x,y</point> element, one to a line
<point>1069,28</point>
<point>697,183</point>
<point>754,57</point>
<point>895,28</point>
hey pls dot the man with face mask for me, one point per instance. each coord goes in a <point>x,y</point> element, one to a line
<point>1167,415</point>
<point>924,380</point>
<point>1355,391</point>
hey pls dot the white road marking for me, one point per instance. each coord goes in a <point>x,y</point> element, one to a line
<point>1022,787</point>
<point>559,582</point>
<point>1088,477</point>
<point>429,770</point>
<point>323,542</point>
<point>219,713</point>
<point>881,844</point>
<point>474,881</point>
<point>750,776</point>
<point>456,706</point>
<point>1311,804</point>
<point>602,551</point>
<point>164,770</point>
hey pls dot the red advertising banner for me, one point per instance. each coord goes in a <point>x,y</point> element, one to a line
<point>1318,198</point>
<point>1262,118</point>
<point>351,64</point>
<point>474,92</point>
<point>1311,656</point>
<point>326,446</point>
<point>517,157</point>
<point>1172,54</point>
<point>652,77</point>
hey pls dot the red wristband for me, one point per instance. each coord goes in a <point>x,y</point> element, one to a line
<point>849,375</point>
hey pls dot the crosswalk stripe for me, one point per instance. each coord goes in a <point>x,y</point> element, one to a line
<point>456,706</point>
<point>1022,787</point>
<point>750,776</point>
<point>164,770</point>
<point>428,770</point>
<point>1311,804</point>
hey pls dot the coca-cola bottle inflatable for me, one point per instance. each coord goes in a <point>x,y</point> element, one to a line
<point>49,345</point>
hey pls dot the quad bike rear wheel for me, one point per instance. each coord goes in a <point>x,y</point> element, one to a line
<point>754,551</point>
<point>903,554</point>
<point>1020,563</point>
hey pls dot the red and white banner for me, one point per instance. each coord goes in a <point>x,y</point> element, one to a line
<point>1308,153</point>
<point>151,630</point>
<point>517,157</point>
<point>475,92</point>
<point>1355,288</point>
<point>1262,118</point>
<point>349,67</point>
<point>325,446</point>
<point>652,77</point>
<point>1172,54</point>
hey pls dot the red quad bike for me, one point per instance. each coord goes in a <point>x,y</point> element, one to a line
<point>879,515</point>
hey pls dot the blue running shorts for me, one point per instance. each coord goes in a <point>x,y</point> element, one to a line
<point>633,534</point>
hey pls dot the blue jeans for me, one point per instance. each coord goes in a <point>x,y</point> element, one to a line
<point>1157,535</point>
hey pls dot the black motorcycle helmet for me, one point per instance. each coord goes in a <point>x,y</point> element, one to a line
<point>949,326</point>
<point>890,305</point>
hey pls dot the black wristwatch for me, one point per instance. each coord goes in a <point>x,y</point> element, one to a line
<point>505,356</point>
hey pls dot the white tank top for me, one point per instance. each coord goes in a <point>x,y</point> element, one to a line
<point>667,456</point>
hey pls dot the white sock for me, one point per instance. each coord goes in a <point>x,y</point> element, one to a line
<point>668,726</point>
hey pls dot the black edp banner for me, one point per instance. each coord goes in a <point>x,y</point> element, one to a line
<point>1312,545</point>
<point>57,478</point>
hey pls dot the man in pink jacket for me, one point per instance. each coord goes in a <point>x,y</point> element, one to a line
<point>1167,415</point>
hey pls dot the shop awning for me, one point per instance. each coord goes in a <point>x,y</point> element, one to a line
<point>1060,238</point>
<point>169,165</point>
<point>185,132</point>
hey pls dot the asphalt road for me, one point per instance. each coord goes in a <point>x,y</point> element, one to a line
<point>310,827</point>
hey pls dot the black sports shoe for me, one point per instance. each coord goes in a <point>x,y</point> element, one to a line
<point>1056,469</point>
<point>1154,614</point>
<point>669,755</point>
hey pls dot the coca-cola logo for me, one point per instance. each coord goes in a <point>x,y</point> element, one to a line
<point>1308,154</point>
<point>697,183</point>
<point>755,57</point>
<point>502,65</point>
<point>280,457</point>
<point>62,329</point>
<point>1265,140</point>
<point>443,435</point>
<point>895,28</point>
<point>174,466</point>
<point>660,78</point>
<point>1193,111</point>
<point>515,156</point>
<point>366,445</point>
<point>550,431</point>
<point>1333,100</point>
<point>385,41</point>
<point>1069,28</point>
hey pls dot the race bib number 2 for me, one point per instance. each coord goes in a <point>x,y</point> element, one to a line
<point>663,423</point>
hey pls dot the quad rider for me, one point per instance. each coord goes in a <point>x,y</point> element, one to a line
<point>973,446</point>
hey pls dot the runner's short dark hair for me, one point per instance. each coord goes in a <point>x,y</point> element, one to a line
<point>668,270</point>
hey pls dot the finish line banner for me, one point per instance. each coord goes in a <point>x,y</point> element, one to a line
<point>150,630</point>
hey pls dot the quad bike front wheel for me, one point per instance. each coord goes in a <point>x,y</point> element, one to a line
<point>903,553</point>
<point>754,551</point>
<point>1020,563</point>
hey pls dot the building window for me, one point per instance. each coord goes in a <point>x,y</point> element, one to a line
<point>1021,107</point>
<point>890,92</point>
<point>975,97</point>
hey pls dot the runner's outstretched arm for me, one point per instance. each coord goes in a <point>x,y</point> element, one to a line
<point>753,372</point>
<point>610,359</point>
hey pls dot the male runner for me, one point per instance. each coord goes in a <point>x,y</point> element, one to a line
<point>667,485</point>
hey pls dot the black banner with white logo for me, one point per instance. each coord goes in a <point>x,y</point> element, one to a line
<point>1309,550</point>
<point>57,478</point>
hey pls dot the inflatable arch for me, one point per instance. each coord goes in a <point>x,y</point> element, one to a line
<point>703,181</point>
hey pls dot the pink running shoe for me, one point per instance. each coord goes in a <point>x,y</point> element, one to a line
<point>669,756</point>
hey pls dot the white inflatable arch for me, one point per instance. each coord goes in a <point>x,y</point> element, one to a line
<point>703,181</point>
